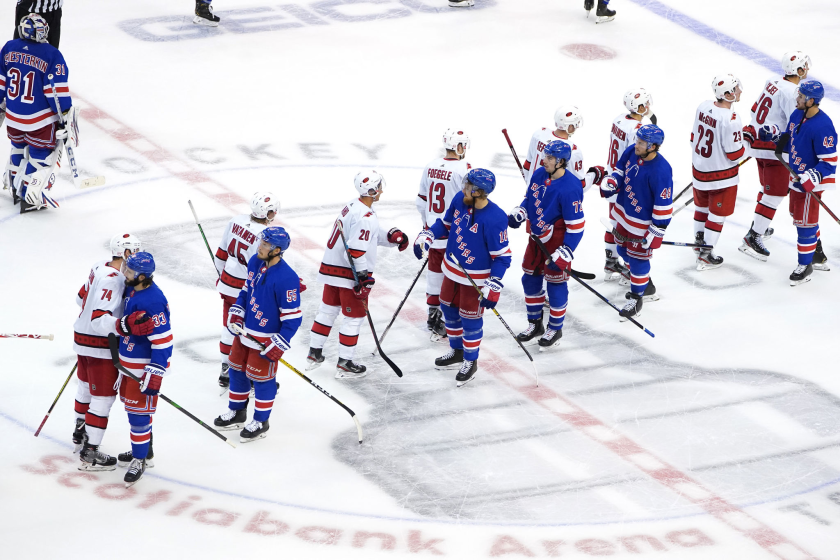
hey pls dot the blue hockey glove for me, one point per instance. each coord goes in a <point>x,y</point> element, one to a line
<point>769,133</point>
<point>423,243</point>
<point>236,315</point>
<point>516,217</point>
<point>152,377</point>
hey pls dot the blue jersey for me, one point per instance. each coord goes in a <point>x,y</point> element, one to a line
<point>555,204</point>
<point>645,189</point>
<point>156,348</point>
<point>271,299</point>
<point>813,145</point>
<point>478,238</point>
<point>24,66</point>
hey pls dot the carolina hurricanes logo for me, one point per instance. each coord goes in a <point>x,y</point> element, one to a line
<point>569,114</point>
<point>266,199</point>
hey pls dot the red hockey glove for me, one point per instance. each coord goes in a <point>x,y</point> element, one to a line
<point>490,292</point>
<point>398,237</point>
<point>653,237</point>
<point>749,134</point>
<point>236,316</point>
<point>151,380</point>
<point>810,179</point>
<point>275,349</point>
<point>302,285</point>
<point>137,324</point>
<point>364,286</point>
<point>598,174</point>
<point>562,257</point>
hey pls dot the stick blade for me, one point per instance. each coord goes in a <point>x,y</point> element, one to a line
<point>90,182</point>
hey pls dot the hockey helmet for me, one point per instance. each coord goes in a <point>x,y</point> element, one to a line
<point>793,61</point>
<point>276,237</point>
<point>369,183</point>
<point>566,116</point>
<point>141,263</point>
<point>812,89</point>
<point>635,97</point>
<point>262,203</point>
<point>481,179</point>
<point>723,84</point>
<point>119,243</point>
<point>34,27</point>
<point>651,134</point>
<point>558,149</point>
<point>452,137</point>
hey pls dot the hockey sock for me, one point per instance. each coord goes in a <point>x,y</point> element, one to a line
<point>700,216</point>
<point>609,242</point>
<point>764,211</point>
<point>225,343</point>
<point>558,298</point>
<point>473,334</point>
<point>348,337</point>
<point>434,280</point>
<point>264,393</point>
<point>82,399</point>
<point>141,434</point>
<point>322,325</point>
<point>639,275</point>
<point>534,295</point>
<point>97,418</point>
<point>238,389</point>
<point>806,242</point>
<point>454,329</point>
<point>714,225</point>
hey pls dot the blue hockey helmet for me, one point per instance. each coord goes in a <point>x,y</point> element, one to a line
<point>558,149</point>
<point>33,27</point>
<point>651,134</point>
<point>812,89</point>
<point>276,236</point>
<point>481,179</point>
<point>141,263</point>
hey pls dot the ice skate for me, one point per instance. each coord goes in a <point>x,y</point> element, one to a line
<point>467,372</point>
<point>253,431</point>
<point>535,330</point>
<point>550,338</point>
<point>769,233</point>
<point>801,274</point>
<point>603,12</point>
<point>650,292</point>
<point>450,360</point>
<point>232,419</point>
<point>820,261</point>
<point>224,377</point>
<point>754,246</point>
<point>124,459</point>
<point>707,260</point>
<point>633,308</point>
<point>94,460</point>
<point>80,436</point>
<point>346,369</point>
<point>315,358</point>
<point>615,270</point>
<point>588,5</point>
<point>699,239</point>
<point>135,472</point>
<point>436,325</point>
<point>461,3</point>
<point>204,15</point>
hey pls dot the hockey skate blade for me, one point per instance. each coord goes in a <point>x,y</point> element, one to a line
<point>604,19</point>
<point>747,250</point>
<point>310,365</point>
<point>87,467</point>
<point>449,368</point>
<point>650,298</point>
<point>206,22</point>
<point>437,339</point>
<point>253,439</point>
<point>347,375</point>
<point>822,267</point>
<point>230,427</point>
<point>90,182</point>
<point>150,463</point>
<point>625,319</point>
<point>798,282</point>
<point>462,383</point>
<point>708,266</point>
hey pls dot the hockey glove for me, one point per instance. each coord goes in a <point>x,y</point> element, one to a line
<point>399,238</point>
<point>749,134</point>
<point>423,243</point>
<point>364,286</point>
<point>653,237</point>
<point>236,316</point>
<point>810,180</point>
<point>137,323</point>
<point>562,257</point>
<point>516,217</point>
<point>609,187</point>
<point>490,292</point>
<point>769,133</point>
<point>274,350</point>
<point>598,174</point>
<point>152,377</point>
<point>302,285</point>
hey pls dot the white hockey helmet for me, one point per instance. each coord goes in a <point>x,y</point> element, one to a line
<point>635,97</point>
<point>566,116</point>
<point>793,61</point>
<point>723,84</point>
<point>369,183</point>
<point>121,242</point>
<point>262,203</point>
<point>452,137</point>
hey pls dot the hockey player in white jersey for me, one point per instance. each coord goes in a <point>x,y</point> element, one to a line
<point>101,301</point>
<point>344,292</point>
<point>441,180</point>
<point>239,243</point>
<point>622,136</point>
<point>717,147</point>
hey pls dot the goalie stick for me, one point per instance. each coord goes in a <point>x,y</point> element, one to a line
<point>780,146</point>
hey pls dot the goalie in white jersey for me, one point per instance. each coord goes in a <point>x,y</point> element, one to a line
<point>344,292</point>
<point>717,147</point>
<point>101,300</point>
<point>239,243</point>
<point>442,180</point>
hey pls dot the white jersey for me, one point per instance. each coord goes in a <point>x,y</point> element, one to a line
<point>363,235</point>
<point>622,136</point>
<point>442,179</point>
<point>536,150</point>
<point>239,243</point>
<point>717,147</point>
<point>775,106</point>
<point>101,300</point>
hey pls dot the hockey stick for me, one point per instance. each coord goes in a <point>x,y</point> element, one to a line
<point>591,289</point>
<point>114,347</point>
<point>204,237</point>
<point>394,367</point>
<point>467,274</point>
<point>779,147</point>
<point>352,414</point>
<point>44,421</point>
<point>515,157</point>
<point>608,225</point>
<point>74,171</point>
<point>36,336</point>
<point>400,306</point>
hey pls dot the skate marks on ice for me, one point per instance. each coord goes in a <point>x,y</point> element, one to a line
<point>725,278</point>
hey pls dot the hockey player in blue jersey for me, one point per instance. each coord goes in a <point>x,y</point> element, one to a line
<point>478,239</point>
<point>644,182</point>
<point>146,356</point>
<point>812,146</point>
<point>554,208</point>
<point>268,308</point>
<point>32,114</point>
